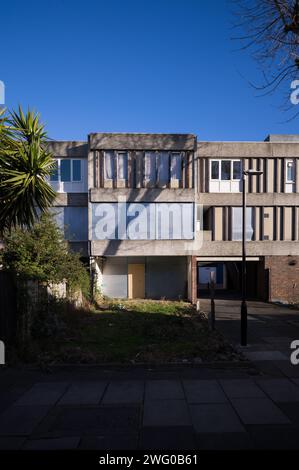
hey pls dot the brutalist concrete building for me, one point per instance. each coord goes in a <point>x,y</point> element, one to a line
<point>155,213</point>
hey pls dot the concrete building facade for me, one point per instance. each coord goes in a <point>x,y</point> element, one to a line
<point>156,213</point>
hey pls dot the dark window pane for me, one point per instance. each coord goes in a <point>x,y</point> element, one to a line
<point>225,170</point>
<point>65,170</point>
<point>76,170</point>
<point>54,173</point>
<point>236,170</point>
<point>215,170</point>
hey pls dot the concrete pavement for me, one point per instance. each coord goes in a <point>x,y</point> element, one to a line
<point>94,408</point>
<point>271,330</point>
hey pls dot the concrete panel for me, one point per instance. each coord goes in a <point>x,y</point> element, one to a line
<point>247,149</point>
<point>258,199</point>
<point>143,195</point>
<point>146,247</point>
<point>115,278</point>
<point>68,148</point>
<point>218,232</point>
<point>268,223</point>
<point>269,175</point>
<point>166,277</point>
<point>287,223</point>
<point>71,199</point>
<point>254,248</point>
<point>142,141</point>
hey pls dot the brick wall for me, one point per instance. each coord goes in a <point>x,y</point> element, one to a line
<point>283,278</point>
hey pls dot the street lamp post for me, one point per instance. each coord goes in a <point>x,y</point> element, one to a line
<point>249,172</point>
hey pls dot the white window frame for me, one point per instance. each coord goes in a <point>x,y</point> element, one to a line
<point>219,160</point>
<point>288,161</point>
<point>59,160</point>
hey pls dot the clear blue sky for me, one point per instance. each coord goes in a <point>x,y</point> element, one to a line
<point>133,66</point>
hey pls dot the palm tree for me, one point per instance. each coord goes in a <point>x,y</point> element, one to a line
<point>25,165</point>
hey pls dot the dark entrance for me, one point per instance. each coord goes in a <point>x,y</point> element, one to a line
<point>228,278</point>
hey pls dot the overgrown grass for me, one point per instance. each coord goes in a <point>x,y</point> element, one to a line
<point>142,331</point>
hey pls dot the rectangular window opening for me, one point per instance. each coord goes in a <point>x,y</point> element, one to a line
<point>65,170</point>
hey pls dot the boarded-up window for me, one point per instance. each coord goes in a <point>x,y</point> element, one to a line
<point>109,165</point>
<point>122,165</point>
<point>150,167</point>
<point>176,166</point>
<point>163,167</point>
<point>237,223</point>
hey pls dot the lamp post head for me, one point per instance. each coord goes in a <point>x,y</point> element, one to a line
<point>251,172</point>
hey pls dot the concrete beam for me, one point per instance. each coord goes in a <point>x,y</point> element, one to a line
<point>253,199</point>
<point>66,148</point>
<point>71,199</point>
<point>247,149</point>
<point>125,141</point>
<point>143,195</point>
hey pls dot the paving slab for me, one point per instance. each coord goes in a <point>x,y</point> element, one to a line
<point>241,388</point>
<point>114,442</point>
<point>21,420</point>
<point>215,418</point>
<point>11,443</point>
<point>84,393</point>
<point>167,438</point>
<point>166,413</point>
<point>129,391</point>
<point>224,441</point>
<point>265,356</point>
<point>274,437</point>
<point>96,421</point>
<point>164,390</point>
<point>291,410</point>
<point>203,391</point>
<point>287,369</point>
<point>280,390</point>
<point>278,340</point>
<point>63,443</point>
<point>47,393</point>
<point>259,411</point>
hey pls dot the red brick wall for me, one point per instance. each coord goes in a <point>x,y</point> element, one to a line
<point>284,278</point>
